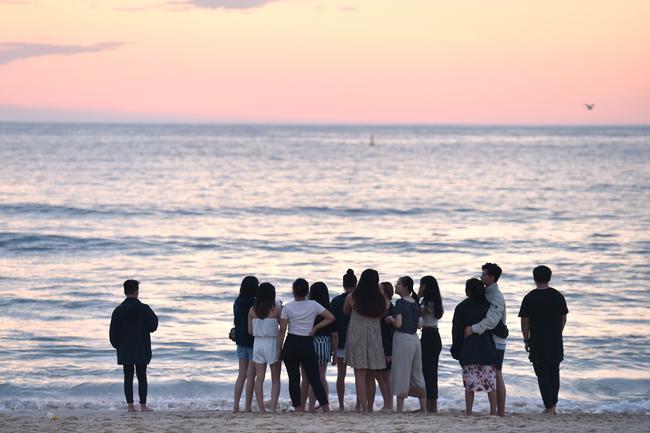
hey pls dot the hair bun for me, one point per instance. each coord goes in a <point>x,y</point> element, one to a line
<point>349,272</point>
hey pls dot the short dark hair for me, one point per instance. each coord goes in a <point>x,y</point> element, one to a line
<point>542,274</point>
<point>475,290</point>
<point>492,269</point>
<point>131,286</point>
<point>249,286</point>
<point>300,287</point>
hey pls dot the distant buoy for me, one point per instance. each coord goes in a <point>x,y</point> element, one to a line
<point>372,140</point>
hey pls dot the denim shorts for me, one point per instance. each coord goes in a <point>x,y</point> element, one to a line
<point>245,353</point>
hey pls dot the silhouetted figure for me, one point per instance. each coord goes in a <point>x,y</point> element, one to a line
<point>131,325</point>
<point>543,316</point>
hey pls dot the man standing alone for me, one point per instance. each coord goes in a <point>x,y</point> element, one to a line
<point>496,314</point>
<point>543,316</point>
<point>131,325</point>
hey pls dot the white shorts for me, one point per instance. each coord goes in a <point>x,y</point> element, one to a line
<point>265,350</point>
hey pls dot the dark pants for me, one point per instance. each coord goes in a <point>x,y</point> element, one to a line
<point>548,378</point>
<point>431,347</point>
<point>297,351</point>
<point>141,372</point>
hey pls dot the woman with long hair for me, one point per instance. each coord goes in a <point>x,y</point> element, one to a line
<point>298,351</point>
<point>325,342</point>
<point>263,322</point>
<point>406,368</point>
<point>431,311</point>
<point>363,348</point>
<point>244,341</point>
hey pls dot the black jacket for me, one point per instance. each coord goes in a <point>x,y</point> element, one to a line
<point>240,311</point>
<point>475,349</point>
<point>131,325</point>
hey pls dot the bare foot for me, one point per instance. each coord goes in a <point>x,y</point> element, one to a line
<point>144,408</point>
<point>326,408</point>
<point>130,408</point>
<point>341,409</point>
<point>235,409</point>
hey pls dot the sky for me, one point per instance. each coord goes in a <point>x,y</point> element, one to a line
<point>326,61</point>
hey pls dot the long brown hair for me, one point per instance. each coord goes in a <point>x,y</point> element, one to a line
<point>265,300</point>
<point>368,300</point>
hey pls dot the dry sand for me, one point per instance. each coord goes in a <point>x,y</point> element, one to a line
<point>215,421</point>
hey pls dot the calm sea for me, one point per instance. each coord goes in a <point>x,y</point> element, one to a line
<point>190,210</point>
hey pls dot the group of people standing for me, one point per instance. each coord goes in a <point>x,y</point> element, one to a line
<point>362,328</point>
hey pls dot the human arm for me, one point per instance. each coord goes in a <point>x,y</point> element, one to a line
<point>525,331</point>
<point>328,319</point>
<point>456,335</point>
<point>153,320</point>
<point>335,345</point>
<point>113,332</point>
<point>250,321</point>
<point>281,333</point>
<point>563,321</point>
<point>491,319</point>
<point>347,305</point>
<point>395,320</point>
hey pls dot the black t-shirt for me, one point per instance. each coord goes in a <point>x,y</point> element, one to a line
<point>342,320</point>
<point>545,308</point>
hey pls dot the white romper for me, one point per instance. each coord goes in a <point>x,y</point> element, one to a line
<point>265,345</point>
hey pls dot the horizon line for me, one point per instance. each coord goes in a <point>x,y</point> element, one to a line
<point>316,124</point>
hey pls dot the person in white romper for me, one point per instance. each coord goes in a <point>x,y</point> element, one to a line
<point>263,323</point>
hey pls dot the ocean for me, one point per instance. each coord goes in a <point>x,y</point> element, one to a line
<point>189,210</point>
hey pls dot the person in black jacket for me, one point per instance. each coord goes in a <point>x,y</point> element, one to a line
<point>476,353</point>
<point>132,323</point>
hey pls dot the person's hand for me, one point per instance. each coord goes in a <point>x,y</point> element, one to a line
<point>388,359</point>
<point>389,320</point>
<point>468,331</point>
<point>279,355</point>
<point>313,331</point>
<point>333,358</point>
<point>527,346</point>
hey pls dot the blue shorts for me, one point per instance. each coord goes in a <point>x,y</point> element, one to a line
<point>245,353</point>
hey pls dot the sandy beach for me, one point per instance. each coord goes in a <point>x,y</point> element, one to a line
<point>210,421</point>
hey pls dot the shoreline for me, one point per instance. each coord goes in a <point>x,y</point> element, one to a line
<point>204,421</point>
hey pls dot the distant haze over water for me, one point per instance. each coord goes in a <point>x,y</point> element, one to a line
<point>190,210</point>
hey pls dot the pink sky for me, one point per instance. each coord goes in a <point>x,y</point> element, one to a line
<point>354,61</point>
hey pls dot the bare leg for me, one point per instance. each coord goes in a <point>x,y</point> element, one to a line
<point>250,385</point>
<point>469,402</point>
<point>423,404</point>
<point>341,367</point>
<point>360,378</point>
<point>275,385</point>
<point>432,405</point>
<point>492,398</point>
<point>372,389</point>
<point>501,394</point>
<point>400,403</point>
<point>260,372</point>
<point>304,388</point>
<point>239,383</point>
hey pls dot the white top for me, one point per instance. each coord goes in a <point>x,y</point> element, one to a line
<point>301,315</point>
<point>428,318</point>
<point>265,327</point>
